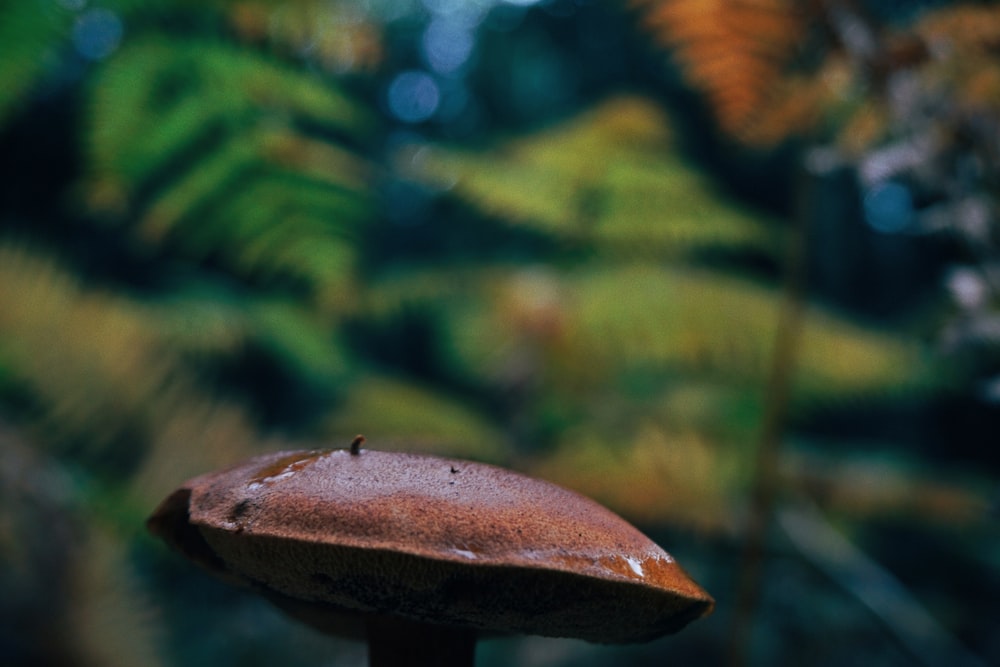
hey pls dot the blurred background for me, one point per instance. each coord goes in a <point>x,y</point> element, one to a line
<point>731,268</point>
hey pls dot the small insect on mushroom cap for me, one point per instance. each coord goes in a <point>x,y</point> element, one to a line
<point>430,539</point>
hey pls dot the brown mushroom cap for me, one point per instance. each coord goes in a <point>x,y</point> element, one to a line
<point>430,539</point>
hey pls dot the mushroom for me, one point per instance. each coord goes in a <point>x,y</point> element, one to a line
<point>422,554</point>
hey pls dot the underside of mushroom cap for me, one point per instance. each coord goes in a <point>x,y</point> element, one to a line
<point>431,539</point>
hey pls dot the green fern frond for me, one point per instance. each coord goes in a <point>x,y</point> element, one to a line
<point>103,381</point>
<point>300,340</point>
<point>200,323</point>
<point>220,173</point>
<point>398,414</point>
<point>259,220</point>
<point>206,326</point>
<point>159,95</point>
<point>584,330</point>
<point>30,33</point>
<point>659,448</point>
<point>610,178</point>
<point>594,325</point>
<point>199,146</point>
<point>652,474</point>
<point>98,381</point>
<point>244,203</point>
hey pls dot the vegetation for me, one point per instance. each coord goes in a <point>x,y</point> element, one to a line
<point>219,236</point>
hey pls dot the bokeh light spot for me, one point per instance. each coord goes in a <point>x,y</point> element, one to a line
<point>97,34</point>
<point>447,45</point>
<point>888,208</point>
<point>413,96</point>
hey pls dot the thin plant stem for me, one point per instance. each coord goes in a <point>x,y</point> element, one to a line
<point>768,452</point>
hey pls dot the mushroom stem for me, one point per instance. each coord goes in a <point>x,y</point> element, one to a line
<point>393,641</point>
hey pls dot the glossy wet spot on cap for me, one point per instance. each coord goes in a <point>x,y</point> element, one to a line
<point>284,467</point>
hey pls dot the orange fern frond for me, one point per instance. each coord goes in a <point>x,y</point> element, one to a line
<point>963,43</point>
<point>734,51</point>
<point>742,55</point>
<point>337,37</point>
<point>962,28</point>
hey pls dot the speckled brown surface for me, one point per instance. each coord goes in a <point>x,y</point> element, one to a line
<point>431,539</point>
